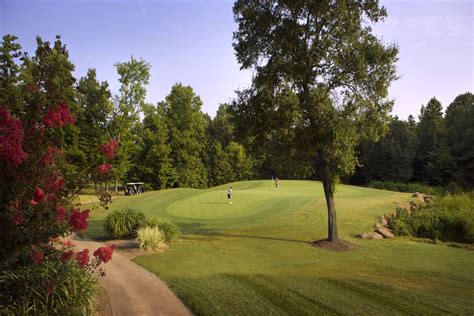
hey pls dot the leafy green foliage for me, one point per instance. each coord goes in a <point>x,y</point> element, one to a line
<point>53,288</point>
<point>450,219</point>
<point>169,230</point>
<point>187,136</point>
<point>134,76</point>
<point>123,223</point>
<point>149,238</point>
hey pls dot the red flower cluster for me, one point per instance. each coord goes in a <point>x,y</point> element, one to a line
<point>104,168</point>
<point>11,139</point>
<point>17,218</point>
<point>37,257</point>
<point>58,117</point>
<point>82,258</point>
<point>38,196</point>
<point>55,183</point>
<point>104,254</point>
<point>65,256</point>
<point>48,158</point>
<point>60,213</point>
<point>78,219</point>
<point>109,149</point>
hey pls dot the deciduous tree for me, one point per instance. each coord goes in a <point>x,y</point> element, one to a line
<point>321,77</point>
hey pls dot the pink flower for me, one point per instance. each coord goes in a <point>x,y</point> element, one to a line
<point>109,149</point>
<point>11,139</point>
<point>60,213</point>
<point>65,256</point>
<point>78,219</point>
<point>104,169</point>
<point>17,218</point>
<point>37,257</point>
<point>38,196</point>
<point>104,254</point>
<point>58,117</point>
<point>82,258</point>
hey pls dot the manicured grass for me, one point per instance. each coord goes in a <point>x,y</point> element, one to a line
<point>253,257</point>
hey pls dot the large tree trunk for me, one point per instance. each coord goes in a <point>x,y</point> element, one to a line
<point>116,186</point>
<point>328,186</point>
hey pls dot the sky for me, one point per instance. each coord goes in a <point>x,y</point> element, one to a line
<point>191,42</point>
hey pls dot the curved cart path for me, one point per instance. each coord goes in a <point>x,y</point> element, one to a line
<point>132,290</point>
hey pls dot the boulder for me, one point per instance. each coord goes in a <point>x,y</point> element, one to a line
<point>383,220</point>
<point>413,206</point>
<point>418,195</point>
<point>371,235</point>
<point>428,198</point>
<point>385,232</point>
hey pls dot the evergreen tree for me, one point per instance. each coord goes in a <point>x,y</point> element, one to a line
<point>430,142</point>
<point>460,136</point>
<point>389,159</point>
<point>10,70</point>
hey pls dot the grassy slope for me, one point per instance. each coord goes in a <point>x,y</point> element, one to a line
<point>252,257</point>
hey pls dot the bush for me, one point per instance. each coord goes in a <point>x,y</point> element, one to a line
<point>124,223</point>
<point>170,231</point>
<point>149,238</point>
<point>52,288</point>
<point>450,219</point>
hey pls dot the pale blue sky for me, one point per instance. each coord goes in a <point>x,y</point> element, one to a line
<point>191,42</point>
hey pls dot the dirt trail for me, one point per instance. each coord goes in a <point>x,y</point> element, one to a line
<point>132,290</point>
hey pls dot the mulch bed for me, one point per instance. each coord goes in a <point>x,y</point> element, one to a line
<point>338,246</point>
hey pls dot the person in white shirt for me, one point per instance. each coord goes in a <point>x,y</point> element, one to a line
<point>229,195</point>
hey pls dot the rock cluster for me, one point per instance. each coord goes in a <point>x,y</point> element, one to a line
<point>382,229</point>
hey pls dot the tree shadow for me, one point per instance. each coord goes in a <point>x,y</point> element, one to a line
<point>196,231</point>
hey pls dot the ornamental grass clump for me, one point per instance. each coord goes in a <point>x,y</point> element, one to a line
<point>169,230</point>
<point>150,238</point>
<point>124,223</point>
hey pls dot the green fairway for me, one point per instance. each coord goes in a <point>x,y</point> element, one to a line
<point>253,257</point>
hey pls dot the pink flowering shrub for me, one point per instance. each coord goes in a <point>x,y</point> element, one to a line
<point>11,139</point>
<point>35,212</point>
<point>109,149</point>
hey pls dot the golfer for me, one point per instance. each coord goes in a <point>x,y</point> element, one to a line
<point>229,195</point>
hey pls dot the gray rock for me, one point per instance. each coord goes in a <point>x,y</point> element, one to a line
<point>383,220</point>
<point>385,232</point>
<point>371,235</point>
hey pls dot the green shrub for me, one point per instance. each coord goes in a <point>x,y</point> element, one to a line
<point>170,231</point>
<point>451,218</point>
<point>124,223</point>
<point>52,288</point>
<point>149,238</point>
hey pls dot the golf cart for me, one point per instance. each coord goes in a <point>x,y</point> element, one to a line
<point>132,188</point>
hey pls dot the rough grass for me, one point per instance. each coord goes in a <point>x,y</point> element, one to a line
<point>253,257</point>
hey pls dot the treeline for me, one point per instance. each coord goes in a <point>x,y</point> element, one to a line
<point>174,144</point>
<point>438,150</point>
<point>168,144</point>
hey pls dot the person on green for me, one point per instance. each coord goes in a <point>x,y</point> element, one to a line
<point>229,195</point>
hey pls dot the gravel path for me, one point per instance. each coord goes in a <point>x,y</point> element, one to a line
<point>132,290</point>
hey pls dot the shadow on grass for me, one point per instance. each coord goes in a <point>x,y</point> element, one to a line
<point>197,231</point>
